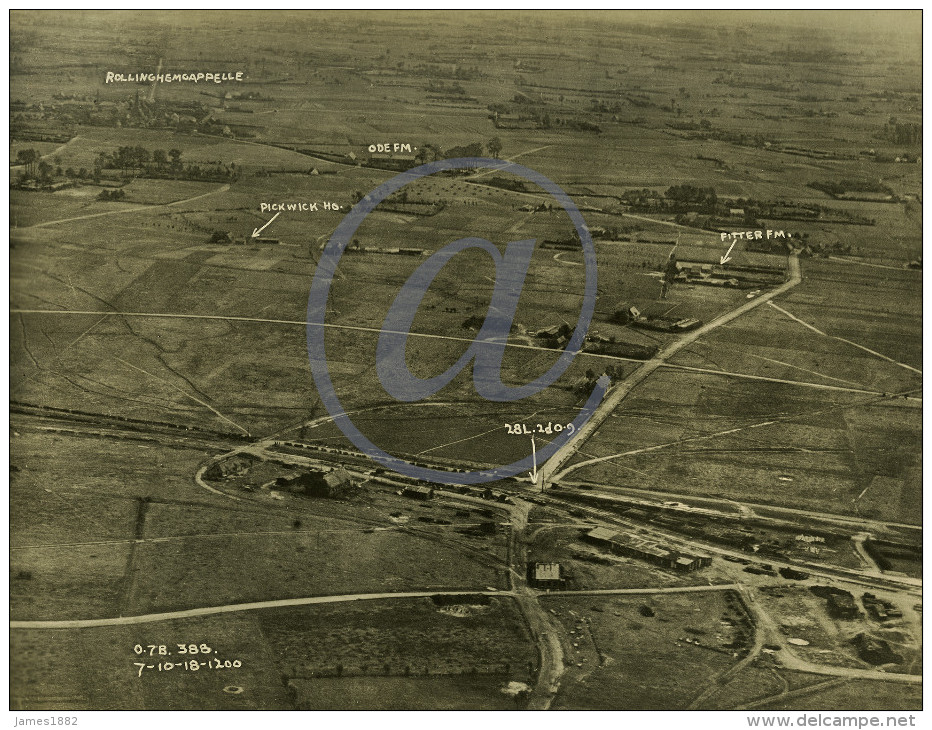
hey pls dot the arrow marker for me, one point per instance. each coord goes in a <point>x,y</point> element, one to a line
<point>726,257</point>
<point>533,474</point>
<point>257,231</point>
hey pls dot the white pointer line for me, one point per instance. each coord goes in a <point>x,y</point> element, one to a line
<point>257,231</point>
<point>726,258</point>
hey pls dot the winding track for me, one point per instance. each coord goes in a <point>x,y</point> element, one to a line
<point>122,211</point>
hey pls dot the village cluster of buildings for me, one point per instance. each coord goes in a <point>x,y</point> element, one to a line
<point>881,609</point>
<point>650,551</point>
<point>842,605</point>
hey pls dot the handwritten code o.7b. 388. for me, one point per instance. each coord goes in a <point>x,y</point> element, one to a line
<point>522,429</point>
<point>165,650</point>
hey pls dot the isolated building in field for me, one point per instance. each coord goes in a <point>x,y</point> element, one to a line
<point>625,312</point>
<point>688,562</point>
<point>555,336</point>
<point>548,576</point>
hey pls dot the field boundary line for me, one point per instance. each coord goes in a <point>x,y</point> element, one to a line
<point>847,342</point>
<point>238,607</point>
<point>140,208</point>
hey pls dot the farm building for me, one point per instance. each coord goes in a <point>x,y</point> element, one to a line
<point>686,564</point>
<point>625,312</point>
<point>415,492</point>
<point>555,336</point>
<point>236,466</point>
<point>546,575</point>
<point>332,484</point>
<point>389,161</point>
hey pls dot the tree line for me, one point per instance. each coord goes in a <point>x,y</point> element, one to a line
<point>138,161</point>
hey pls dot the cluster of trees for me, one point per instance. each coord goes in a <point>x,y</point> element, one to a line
<point>438,87</point>
<point>507,183</point>
<point>34,167</point>
<point>529,110</point>
<point>580,125</point>
<point>141,162</point>
<point>642,198</point>
<point>835,188</point>
<point>908,133</point>
<point>117,194</point>
<point>677,199</point>
<point>429,152</point>
<point>603,107</point>
<point>130,159</point>
<point>43,172</point>
<point>30,160</point>
<point>692,198</point>
<point>458,72</point>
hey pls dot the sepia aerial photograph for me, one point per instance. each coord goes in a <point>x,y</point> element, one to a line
<point>465,360</point>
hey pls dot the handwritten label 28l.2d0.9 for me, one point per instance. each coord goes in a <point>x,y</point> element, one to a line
<point>522,429</point>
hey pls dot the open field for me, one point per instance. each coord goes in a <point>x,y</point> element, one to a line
<point>854,695</point>
<point>622,660</point>
<point>74,554</point>
<point>482,692</point>
<point>109,678</point>
<point>819,445</point>
<point>765,686</point>
<point>239,570</point>
<point>416,636</point>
